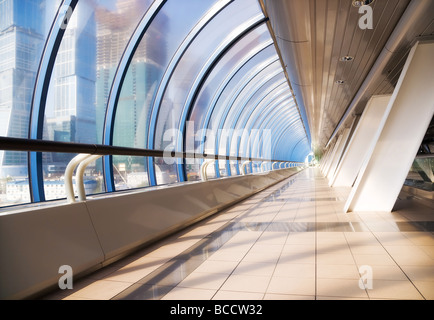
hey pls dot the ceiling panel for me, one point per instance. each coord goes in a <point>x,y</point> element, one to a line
<point>312,36</point>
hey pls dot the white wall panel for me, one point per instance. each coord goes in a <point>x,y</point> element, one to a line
<point>36,240</point>
<point>360,142</point>
<point>332,156</point>
<point>339,151</point>
<point>410,111</point>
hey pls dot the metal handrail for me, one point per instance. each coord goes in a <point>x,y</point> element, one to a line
<point>244,167</point>
<point>80,175</point>
<point>69,172</point>
<point>34,145</point>
<point>88,153</point>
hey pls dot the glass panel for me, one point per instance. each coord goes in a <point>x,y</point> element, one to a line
<point>234,167</point>
<point>116,20</point>
<point>245,168</point>
<point>160,42</point>
<point>281,98</point>
<point>24,26</point>
<point>211,91</point>
<point>246,75</point>
<point>223,168</point>
<point>300,150</point>
<point>216,88</point>
<point>279,112</point>
<point>260,100</point>
<point>192,168</point>
<point>130,172</point>
<point>233,92</point>
<point>193,63</point>
<point>95,38</point>
<point>421,174</point>
<point>250,96</point>
<point>284,147</point>
<point>247,101</point>
<point>211,171</point>
<point>54,182</point>
<point>166,170</point>
<point>267,119</point>
<point>88,56</point>
<point>254,100</point>
<point>196,59</point>
<point>267,138</point>
<point>256,166</point>
<point>14,182</point>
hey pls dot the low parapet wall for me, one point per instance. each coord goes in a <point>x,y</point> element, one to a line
<point>36,240</point>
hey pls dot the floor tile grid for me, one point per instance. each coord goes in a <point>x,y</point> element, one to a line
<point>308,198</point>
<point>389,219</point>
<point>95,285</point>
<point>401,247</point>
<point>225,282</point>
<point>392,275</point>
<point>322,192</point>
<point>219,292</point>
<point>249,206</point>
<point>360,267</point>
<point>339,284</point>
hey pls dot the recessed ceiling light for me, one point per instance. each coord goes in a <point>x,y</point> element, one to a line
<point>346,58</point>
<point>359,3</point>
<point>340,81</point>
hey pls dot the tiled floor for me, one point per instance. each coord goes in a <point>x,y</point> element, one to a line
<point>292,241</point>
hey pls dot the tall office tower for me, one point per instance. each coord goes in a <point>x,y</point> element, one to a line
<point>21,42</point>
<point>70,106</point>
<point>113,34</point>
<point>70,112</point>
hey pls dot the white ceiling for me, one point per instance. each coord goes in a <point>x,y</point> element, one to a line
<point>312,36</point>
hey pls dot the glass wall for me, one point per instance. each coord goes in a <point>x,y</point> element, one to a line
<point>24,27</point>
<point>197,76</point>
<point>421,174</point>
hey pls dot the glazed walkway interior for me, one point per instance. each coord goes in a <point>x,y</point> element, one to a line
<point>291,241</point>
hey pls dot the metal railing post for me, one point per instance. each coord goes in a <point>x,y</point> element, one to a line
<point>69,172</point>
<point>79,176</point>
<point>203,167</point>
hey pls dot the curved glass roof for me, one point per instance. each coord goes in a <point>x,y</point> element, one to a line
<point>191,76</point>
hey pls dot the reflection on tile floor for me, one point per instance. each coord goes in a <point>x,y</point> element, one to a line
<point>291,241</point>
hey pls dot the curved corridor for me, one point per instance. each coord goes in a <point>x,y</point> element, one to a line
<point>291,241</point>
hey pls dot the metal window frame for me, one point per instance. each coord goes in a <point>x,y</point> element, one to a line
<point>38,104</point>
<point>118,80</point>
<point>276,84</point>
<point>225,122</point>
<point>284,129</point>
<point>218,7</point>
<point>211,63</point>
<point>259,66</point>
<point>239,89</point>
<point>261,122</point>
<point>223,86</point>
<point>280,117</point>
